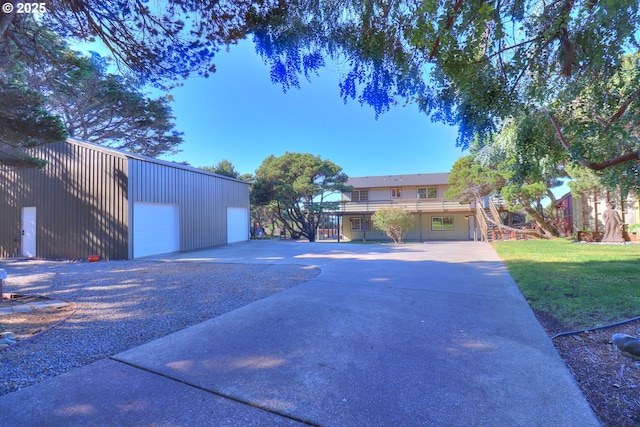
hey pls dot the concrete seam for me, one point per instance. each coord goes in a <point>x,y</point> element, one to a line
<point>235,399</point>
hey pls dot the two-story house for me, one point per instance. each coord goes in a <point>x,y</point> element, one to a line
<point>436,218</point>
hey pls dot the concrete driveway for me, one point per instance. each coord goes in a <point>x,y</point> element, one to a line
<point>433,334</point>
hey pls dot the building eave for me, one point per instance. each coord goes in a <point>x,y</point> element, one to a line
<point>124,154</point>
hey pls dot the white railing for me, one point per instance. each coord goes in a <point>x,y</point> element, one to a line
<point>429,205</point>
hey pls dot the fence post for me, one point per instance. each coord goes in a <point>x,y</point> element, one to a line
<point>3,275</point>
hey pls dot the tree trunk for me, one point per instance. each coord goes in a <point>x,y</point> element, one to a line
<point>549,229</point>
<point>507,228</point>
<point>310,227</point>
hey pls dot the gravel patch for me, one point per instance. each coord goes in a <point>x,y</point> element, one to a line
<point>124,304</point>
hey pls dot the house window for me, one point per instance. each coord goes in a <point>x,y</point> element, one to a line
<point>396,193</point>
<point>439,223</point>
<point>358,223</point>
<point>359,195</point>
<point>427,193</point>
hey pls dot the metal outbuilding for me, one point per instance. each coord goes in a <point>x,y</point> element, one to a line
<point>94,200</point>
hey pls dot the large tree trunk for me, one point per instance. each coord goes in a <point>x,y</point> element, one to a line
<point>501,226</point>
<point>549,230</point>
<point>310,226</point>
<point>515,230</point>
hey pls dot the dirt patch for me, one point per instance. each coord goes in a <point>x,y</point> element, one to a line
<point>25,325</point>
<point>608,377</point>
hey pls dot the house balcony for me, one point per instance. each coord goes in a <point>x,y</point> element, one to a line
<point>421,205</point>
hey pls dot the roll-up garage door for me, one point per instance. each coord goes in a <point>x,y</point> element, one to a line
<point>237,225</point>
<point>156,229</point>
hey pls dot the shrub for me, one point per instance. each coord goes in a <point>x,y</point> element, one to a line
<point>393,221</point>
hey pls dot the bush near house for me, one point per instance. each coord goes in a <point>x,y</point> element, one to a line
<point>393,221</point>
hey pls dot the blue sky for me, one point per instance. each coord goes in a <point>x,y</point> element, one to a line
<point>238,114</point>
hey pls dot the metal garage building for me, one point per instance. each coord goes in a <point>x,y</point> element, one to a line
<point>93,200</point>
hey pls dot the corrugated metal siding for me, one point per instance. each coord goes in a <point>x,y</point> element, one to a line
<point>80,198</point>
<point>10,211</point>
<point>85,196</point>
<point>202,198</point>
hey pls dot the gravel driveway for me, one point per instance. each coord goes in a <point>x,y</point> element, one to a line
<point>123,304</point>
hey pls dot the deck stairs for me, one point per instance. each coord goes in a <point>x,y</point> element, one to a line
<point>491,224</point>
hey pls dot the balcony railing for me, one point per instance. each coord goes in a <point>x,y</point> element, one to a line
<point>421,205</point>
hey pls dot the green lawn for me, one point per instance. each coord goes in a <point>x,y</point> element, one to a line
<point>581,285</point>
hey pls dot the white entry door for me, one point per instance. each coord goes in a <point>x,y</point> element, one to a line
<point>29,231</point>
<point>237,225</point>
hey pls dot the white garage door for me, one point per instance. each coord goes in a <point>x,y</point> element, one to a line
<point>155,229</point>
<point>237,224</point>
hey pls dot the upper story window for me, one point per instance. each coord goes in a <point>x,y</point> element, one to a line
<point>427,192</point>
<point>396,193</point>
<point>359,195</point>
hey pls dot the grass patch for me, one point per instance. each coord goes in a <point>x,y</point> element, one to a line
<point>581,285</point>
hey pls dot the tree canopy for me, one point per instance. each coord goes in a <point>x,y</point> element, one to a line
<point>24,123</point>
<point>159,42</point>
<point>477,63</point>
<point>469,181</point>
<point>78,97</point>
<point>296,186</point>
<point>570,65</point>
<point>108,109</point>
<point>496,170</point>
<point>223,167</point>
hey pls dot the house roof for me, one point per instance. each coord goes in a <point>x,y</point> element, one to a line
<point>418,179</point>
<point>127,155</point>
